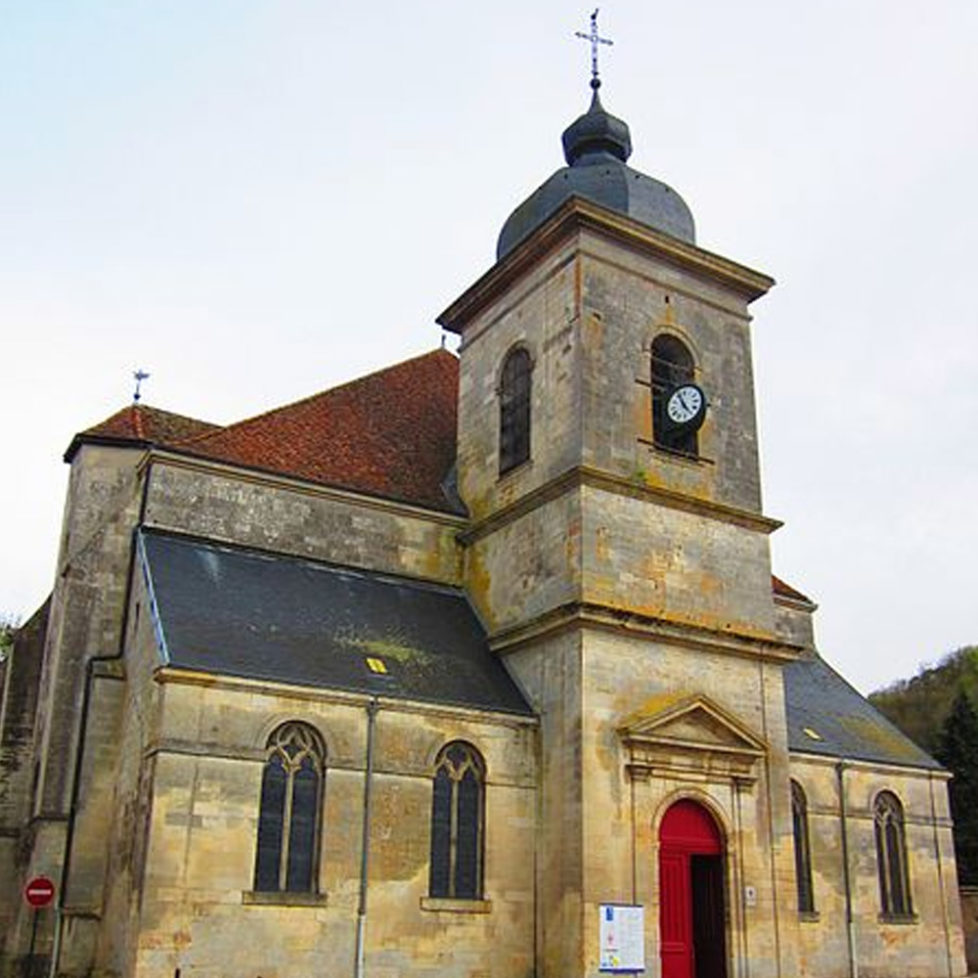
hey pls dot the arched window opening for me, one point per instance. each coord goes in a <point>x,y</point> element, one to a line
<point>514,410</point>
<point>803,854</point>
<point>891,856</point>
<point>457,821</point>
<point>672,365</point>
<point>290,811</point>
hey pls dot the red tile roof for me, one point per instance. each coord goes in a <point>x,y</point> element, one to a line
<point>391,433</point>
<point>144,425</point>
<point>787,591</point>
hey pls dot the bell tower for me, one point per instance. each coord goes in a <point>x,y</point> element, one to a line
<point>603,297</point>
<point>617,550</point>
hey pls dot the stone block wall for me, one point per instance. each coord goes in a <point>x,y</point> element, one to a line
<point>629,297</point>
<point>587,313</point>
<point>630,677</point>
<point>927,945</point>
<point>19,684</point>
<point>181,892</point>
<point>309,521</point>
<point>685,567</point>
<point>84,621</point>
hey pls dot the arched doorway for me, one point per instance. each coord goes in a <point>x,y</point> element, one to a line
<point>692,928</point>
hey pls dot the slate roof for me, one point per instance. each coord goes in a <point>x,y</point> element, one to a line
<point>596,146</point>
<point>248,613</point>
<point>819,699</point>
<point>242,612</point>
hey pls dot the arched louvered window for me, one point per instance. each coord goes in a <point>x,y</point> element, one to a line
<point>291,810</point>
<point>891,856</point>
<point>672,365</point>
<point>457,821</point>
<point>514,410</point>
<point>803,852</point>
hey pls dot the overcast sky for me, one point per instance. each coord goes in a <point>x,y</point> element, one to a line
<point>256,200</point>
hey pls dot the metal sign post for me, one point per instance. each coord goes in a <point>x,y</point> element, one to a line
<point>38,893</point>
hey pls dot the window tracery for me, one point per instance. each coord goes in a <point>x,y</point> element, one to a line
<point>290,810</point>
<point>891,856</point>
<point>457,823</point>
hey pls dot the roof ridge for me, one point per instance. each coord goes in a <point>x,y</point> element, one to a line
<point>355,381</point>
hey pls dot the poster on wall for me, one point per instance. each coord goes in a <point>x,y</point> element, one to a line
<point>621,936</point>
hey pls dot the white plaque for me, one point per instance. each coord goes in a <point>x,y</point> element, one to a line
<point>622,937</point>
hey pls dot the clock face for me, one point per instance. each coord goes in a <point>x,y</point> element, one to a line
<point>685,404</point>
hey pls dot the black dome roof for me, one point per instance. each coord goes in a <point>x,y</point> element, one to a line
<point>596,146</point>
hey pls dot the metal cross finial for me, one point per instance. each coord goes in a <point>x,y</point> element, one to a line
<point>139,376</point>
<point>595,40</point>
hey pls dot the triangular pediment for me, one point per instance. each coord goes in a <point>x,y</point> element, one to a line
<point>691,721</point>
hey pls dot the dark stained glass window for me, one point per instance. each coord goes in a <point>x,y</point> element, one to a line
<point>290,810</point>
<point>891,856</point>
<point>457,821</point>
<point>514,410</point>
<point>672,365</point>
<point>803,854</point>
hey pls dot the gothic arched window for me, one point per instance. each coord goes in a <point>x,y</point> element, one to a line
<point>891,856</point>
<point>290,812</point>
<point>672,365</point>
<point>803,853</point>
<point>457,819</point>
<point>514,410</point>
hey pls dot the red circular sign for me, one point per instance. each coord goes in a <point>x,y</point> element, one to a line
<point>39,892</point>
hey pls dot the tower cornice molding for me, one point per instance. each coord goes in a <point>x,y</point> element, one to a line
<point>584,615</point>
<point>584,476</point>
<point>577,214</point>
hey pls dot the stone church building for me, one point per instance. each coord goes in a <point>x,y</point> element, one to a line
<point>474,667</point>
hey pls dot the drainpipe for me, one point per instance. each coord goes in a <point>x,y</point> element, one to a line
<point>83,729</point>
<point>850,920</point>
<point>365,840</point>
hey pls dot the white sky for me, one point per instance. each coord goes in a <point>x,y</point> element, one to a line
<point>255,200</point>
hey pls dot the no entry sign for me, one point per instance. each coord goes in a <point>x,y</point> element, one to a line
<point>39,892</point>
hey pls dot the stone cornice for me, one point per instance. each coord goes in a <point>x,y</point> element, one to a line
<point>258,477</point>
<point>796,604</point>
<point>875,767</point>
<point>189,677</point>
<point>582,475</point>
<point>577,213</point>
<point>585,615</point>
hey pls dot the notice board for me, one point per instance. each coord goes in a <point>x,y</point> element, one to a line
<point>621,935</point>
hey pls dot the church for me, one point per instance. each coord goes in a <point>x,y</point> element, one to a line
<point>474,667</point>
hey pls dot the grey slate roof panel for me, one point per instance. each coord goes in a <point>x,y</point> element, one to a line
<point>818,698</point>
<point>267,616</point>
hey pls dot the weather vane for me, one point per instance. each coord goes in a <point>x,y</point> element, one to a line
<point>595,40</point>
<point>139,376</point>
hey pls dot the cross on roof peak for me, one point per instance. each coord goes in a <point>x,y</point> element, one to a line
<point>595,40</point>
<point>139,376</point>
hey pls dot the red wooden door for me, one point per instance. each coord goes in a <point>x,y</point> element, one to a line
<point>691,915</point>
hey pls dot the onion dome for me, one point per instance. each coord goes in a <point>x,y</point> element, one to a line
<point>596,147</point>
